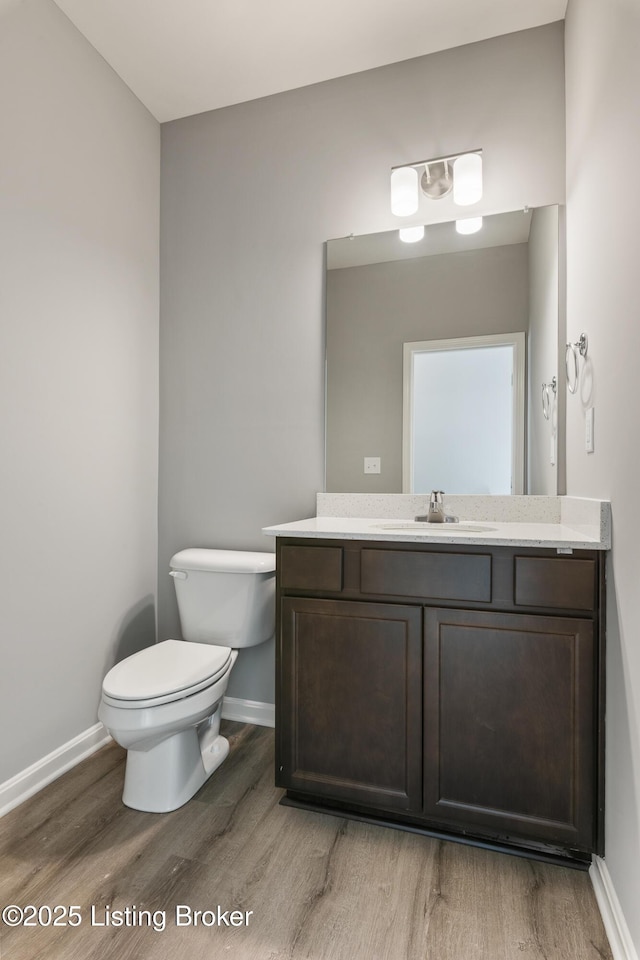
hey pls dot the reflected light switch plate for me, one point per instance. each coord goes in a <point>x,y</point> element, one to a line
<point>372,464</point>
<point>588,431</point>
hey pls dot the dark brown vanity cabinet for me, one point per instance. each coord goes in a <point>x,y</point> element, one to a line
<point>456,690</point>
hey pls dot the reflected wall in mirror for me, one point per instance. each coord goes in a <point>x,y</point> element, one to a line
<point>382,293</point>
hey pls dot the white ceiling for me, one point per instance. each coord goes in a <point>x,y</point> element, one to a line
<point>182,57</point>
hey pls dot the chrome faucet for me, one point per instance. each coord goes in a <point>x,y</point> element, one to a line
<point>436,512</point>
<point>436,507</point>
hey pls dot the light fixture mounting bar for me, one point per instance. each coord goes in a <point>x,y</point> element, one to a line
<point>423,163</point>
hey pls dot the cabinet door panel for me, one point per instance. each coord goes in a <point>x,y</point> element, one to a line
<point>351,689</point>
<point>509,724</point>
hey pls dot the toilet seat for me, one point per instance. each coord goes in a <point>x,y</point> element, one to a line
<point>167,671</point>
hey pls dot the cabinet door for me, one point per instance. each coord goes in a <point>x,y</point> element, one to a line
<point>350,717</point>
<point>509,725</point>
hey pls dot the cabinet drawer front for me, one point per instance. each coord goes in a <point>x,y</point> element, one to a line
<point>437,576</point>
<point>311,568</point>
<point>557,583</point>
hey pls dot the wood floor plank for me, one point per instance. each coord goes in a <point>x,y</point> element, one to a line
<point>316,887</point>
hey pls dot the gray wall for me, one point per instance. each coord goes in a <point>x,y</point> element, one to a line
<point>603,79</point>
<point>249,195</point>
<point>79,188</point>
<point>546,332</point>
<point>371,311</point>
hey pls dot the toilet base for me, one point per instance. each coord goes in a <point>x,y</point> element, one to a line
<point>169,774</point>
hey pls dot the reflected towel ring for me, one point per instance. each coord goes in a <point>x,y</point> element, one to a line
<point>547,390</point>
<point>579,348</point>
<point>571,362</point>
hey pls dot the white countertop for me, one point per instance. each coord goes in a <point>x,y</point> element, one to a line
<point>504,534</point>
<point>589,527</point>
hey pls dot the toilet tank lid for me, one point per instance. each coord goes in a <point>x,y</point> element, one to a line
<point>223,561</point>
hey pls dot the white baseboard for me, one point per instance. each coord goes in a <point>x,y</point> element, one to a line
<point>249,711</point>
<point>615,924</point>
<point>15,791</point>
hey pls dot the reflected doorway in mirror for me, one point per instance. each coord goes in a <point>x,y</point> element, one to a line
<point>463,415</point>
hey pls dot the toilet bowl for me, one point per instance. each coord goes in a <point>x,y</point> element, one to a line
<point>164,703</point>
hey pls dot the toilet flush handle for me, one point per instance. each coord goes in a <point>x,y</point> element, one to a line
<point>178,574</point>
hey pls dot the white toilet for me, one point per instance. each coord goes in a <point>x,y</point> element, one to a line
<point>164,704</point>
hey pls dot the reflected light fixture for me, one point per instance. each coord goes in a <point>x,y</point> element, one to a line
<point>460,173</point>
<point>469,225</point>
<point>411,234</point>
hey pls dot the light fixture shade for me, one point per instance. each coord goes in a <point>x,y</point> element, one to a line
<point>411,234</point>
<point>404,191</point>
<point>467,179</point>
<point>469,225</point>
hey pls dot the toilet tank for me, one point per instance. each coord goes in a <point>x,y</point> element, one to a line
<point>225,597</point>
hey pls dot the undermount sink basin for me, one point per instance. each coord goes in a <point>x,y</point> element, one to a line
<point>444,529</point>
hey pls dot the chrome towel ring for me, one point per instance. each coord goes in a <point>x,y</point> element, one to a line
<point>574,350</point>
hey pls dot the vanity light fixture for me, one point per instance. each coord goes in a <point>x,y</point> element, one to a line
<point>411,234</point>
<point>460,173</point>
<point>467,179</point>
<point>469,225</point>
<point>404,191</point>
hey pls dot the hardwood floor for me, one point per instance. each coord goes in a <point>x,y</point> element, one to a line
<point>318,887</point>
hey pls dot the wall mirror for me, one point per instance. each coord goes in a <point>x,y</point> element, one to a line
<point>383,294</point>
